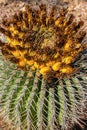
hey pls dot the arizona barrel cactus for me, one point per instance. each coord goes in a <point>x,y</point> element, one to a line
<point>43,69</point>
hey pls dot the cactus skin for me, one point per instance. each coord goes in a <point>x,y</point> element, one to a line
<point>26,101</point>
<point>27,104</point>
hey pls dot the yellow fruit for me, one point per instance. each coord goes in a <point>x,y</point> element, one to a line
<point>57,22</point>
<point>16,53</point>
<point>36,65</point>
<point>22,62</point>
<point>66,69</point>
<point>44,70</point>
<point>56,66</point>
<point>22,53</point>
<point>41,66</point>
<point>11,28</point>
<point>21,35</point>
<point>67,60</point>
<point>50,63</point>
<point>30,62</point>
<point>13,42</point>
<point>56,55</point>
<point>68,45</point>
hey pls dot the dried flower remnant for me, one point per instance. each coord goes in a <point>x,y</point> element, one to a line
<point>44,42</point>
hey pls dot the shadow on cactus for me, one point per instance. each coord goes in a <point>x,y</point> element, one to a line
<point>49,93</point>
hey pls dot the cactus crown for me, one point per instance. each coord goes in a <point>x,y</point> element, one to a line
<point>45,42</point>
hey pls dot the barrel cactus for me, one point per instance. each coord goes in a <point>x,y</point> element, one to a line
<point>43,69</point>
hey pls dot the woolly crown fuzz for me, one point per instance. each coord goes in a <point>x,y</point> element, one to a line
<point>49,43</point>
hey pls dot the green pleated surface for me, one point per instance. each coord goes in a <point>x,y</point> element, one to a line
<point>27,104</point>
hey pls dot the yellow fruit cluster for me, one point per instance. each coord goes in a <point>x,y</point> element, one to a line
<point>42,41</point>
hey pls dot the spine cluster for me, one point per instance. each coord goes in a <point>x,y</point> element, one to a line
<point>47,43</point>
